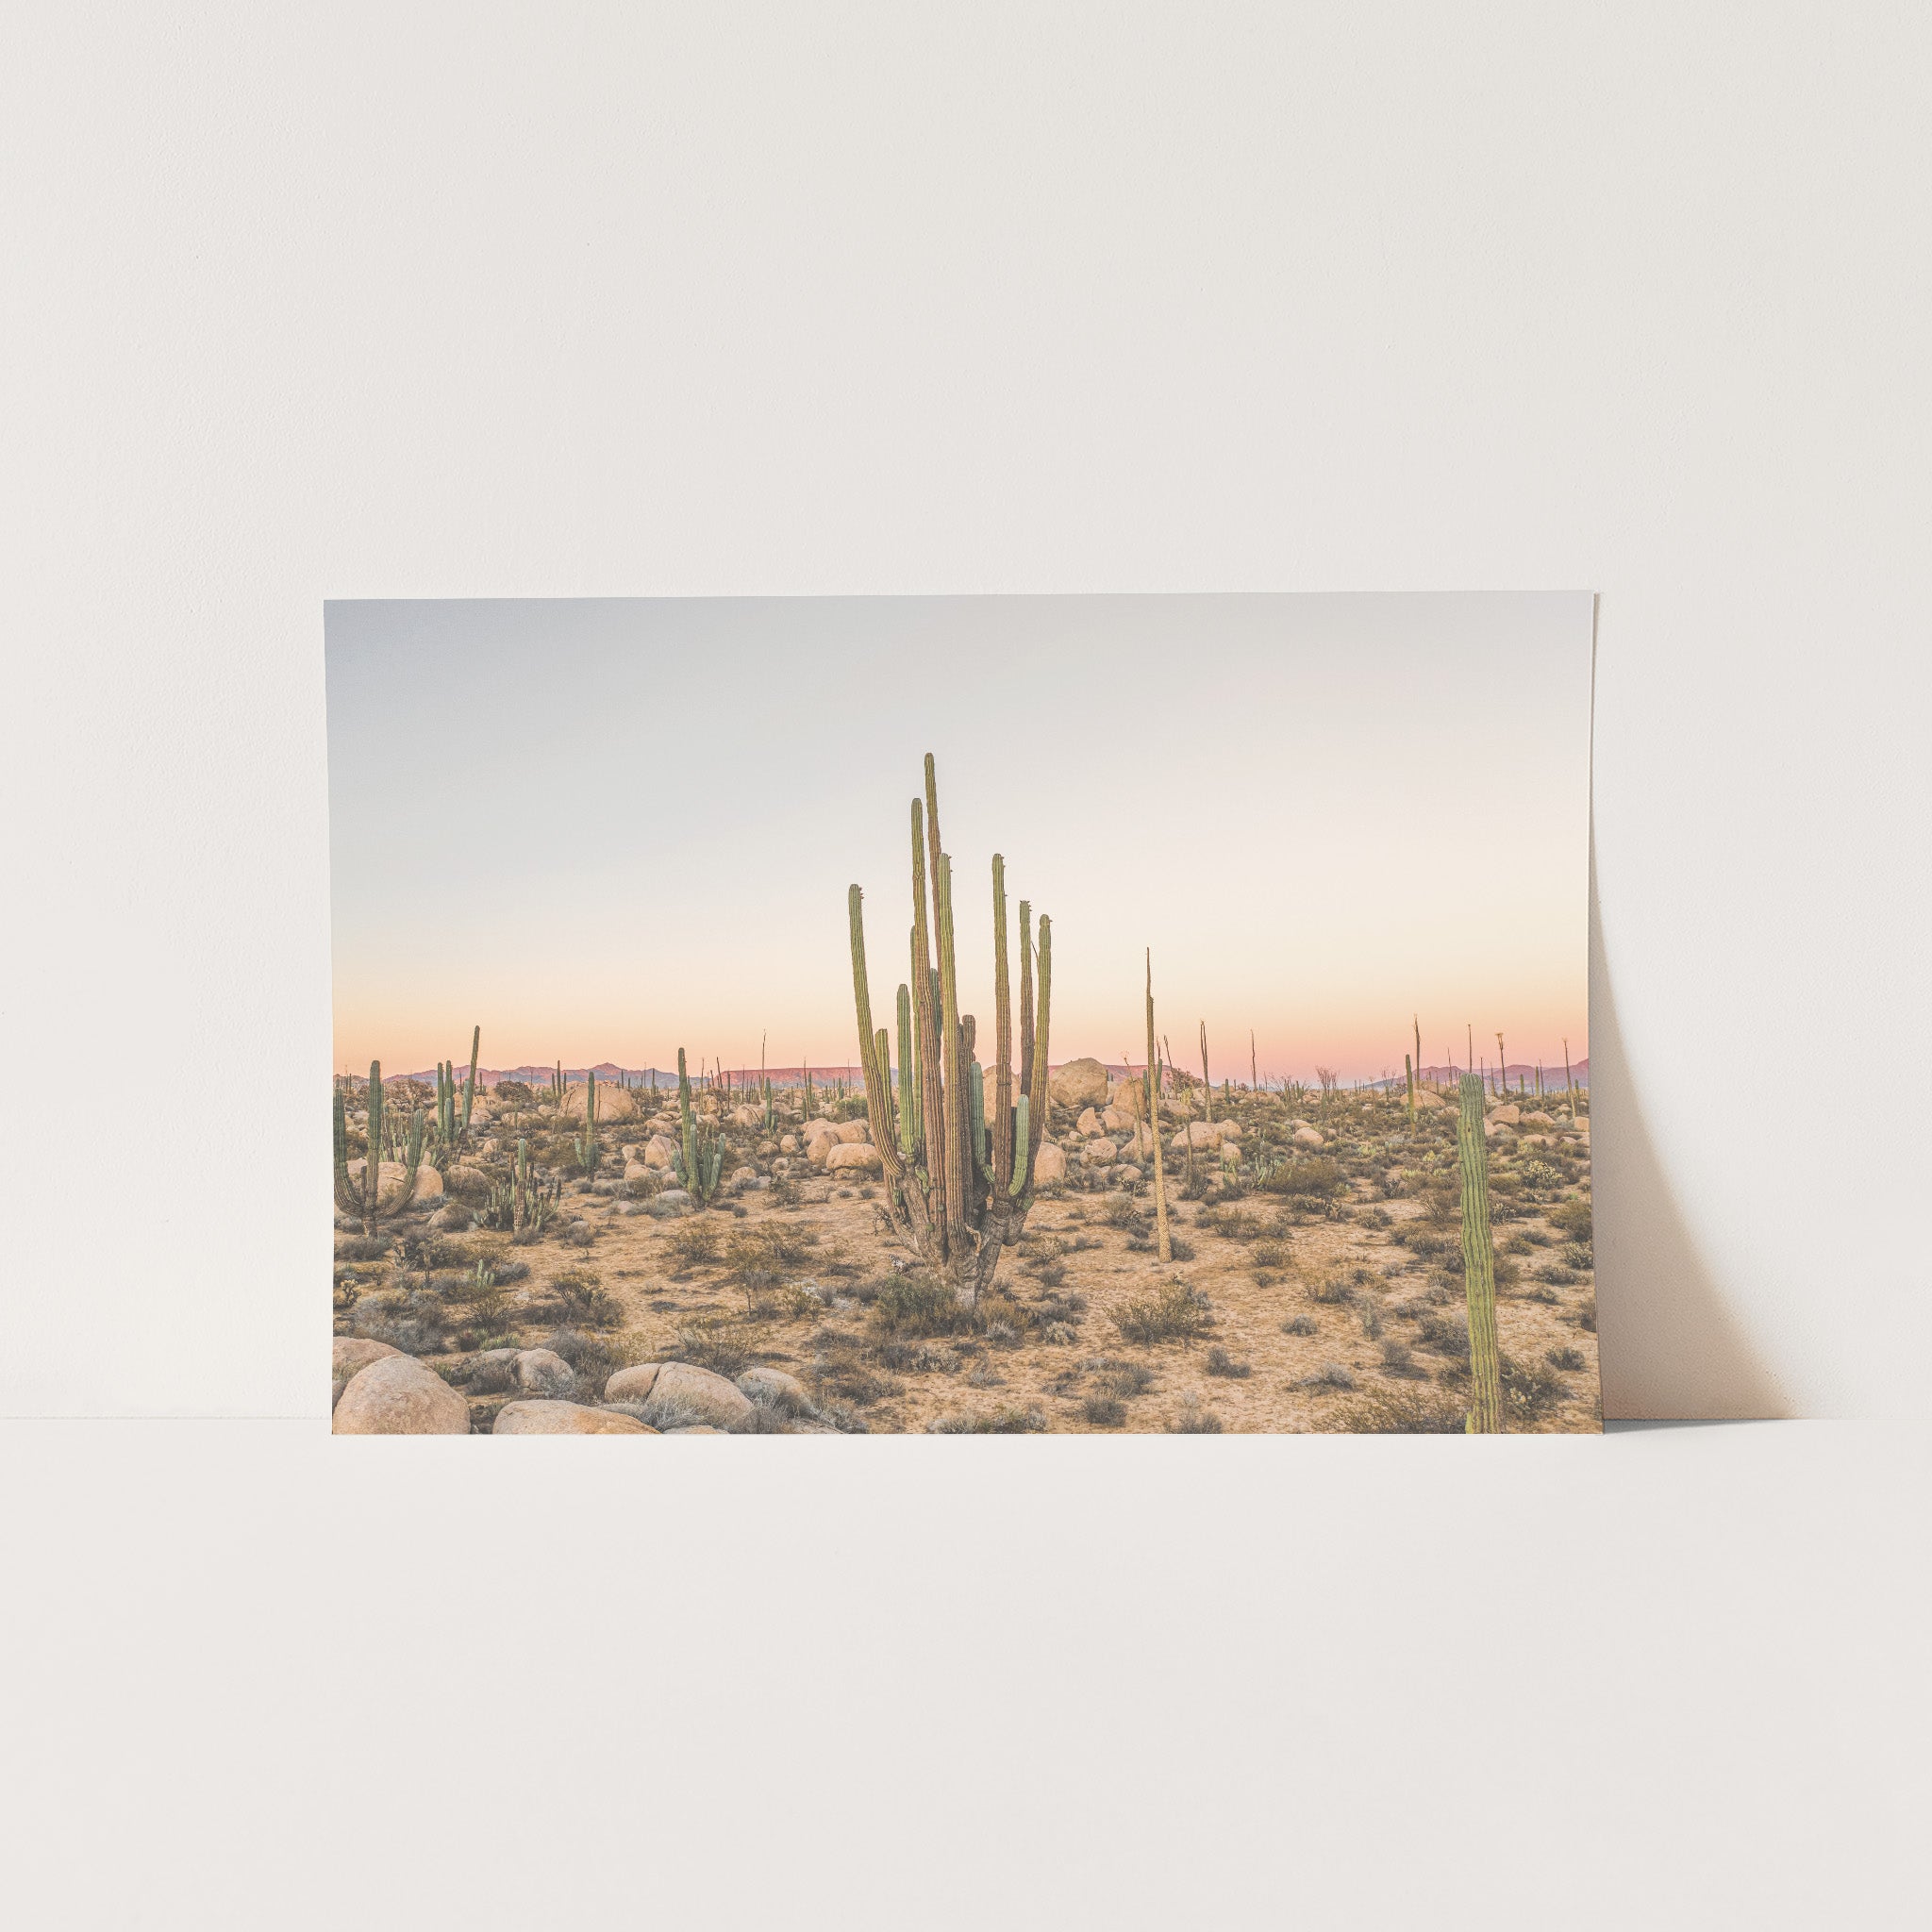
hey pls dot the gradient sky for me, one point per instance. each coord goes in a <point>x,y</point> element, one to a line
<point>604,829</point>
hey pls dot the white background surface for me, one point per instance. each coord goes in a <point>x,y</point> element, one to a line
<point>441,300</point>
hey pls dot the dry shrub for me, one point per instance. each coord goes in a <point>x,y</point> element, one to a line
<point>1401,1411</point>
<point>693,1244</point>
<point>998,1421</point>
<point>1173,1312</point>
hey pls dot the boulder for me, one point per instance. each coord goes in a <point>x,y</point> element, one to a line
<point>1195,1134</point>
<point>1540,1119</point>
<point>635,1171</point>
<point>398,1396</point>
<point>564,1418</point>
<point>684,1394</point>
<point>614,1104</point>
<point>389,1176</point>
<point>741,1178</point>
<point>853,1132</point>
<point>632,1384</point>
<point>1098,1151</point>
<point>788,1144</point>
<point>467,1183</point>
<point>775,1389</point>
<point>748,1116</point>
<point>813,1129</point>
<point>1128,1098</point>
<point>452,1218</point>
<point>350,1353</point>
<point>660,1150</point>
<point>669,1205</point>
<point>1049,1164</point>
<point>1079,1083</point>
<point>854,1157</point>
<point>1115,1122</point>
<point>1306,1135</point>
<point>1509,1116</point>
<point>541,1372</point>
<point>1088,1123</point>
<point>1139,1145</point>
<point>820,1151</point>
<point>1427,1100</point>
<point>1228,1130</point>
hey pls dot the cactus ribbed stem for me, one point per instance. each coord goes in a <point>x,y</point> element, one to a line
<point>957,1156</point>
<point>1001,1105</point>
<point>1163,1242</point>
<point>1408,1074</point>
<point>932,1116</point>
<point>1026,997</point>
<point>874,1059</point>
<point>1207,1082</point>
<point>470,1085</point>
<point>908,1078</point>
<point>1478,1265</point>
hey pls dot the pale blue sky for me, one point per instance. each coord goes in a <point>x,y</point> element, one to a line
<point>607,828</point>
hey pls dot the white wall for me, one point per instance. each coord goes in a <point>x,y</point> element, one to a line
<point>861,299</point>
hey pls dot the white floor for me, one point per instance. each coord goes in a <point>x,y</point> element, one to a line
<point>258,1677</point>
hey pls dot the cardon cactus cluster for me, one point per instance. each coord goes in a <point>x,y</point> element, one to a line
<point>700,1158</point>
<point>451,1128</point>
<point>361,1195</point>
<point>959,1160</point>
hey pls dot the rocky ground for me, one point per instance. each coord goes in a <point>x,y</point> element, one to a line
<point>1316,1282</point>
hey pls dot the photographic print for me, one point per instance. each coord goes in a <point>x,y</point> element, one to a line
<point>962,1015</point>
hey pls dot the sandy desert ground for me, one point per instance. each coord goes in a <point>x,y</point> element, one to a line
<point>1316,1280</point>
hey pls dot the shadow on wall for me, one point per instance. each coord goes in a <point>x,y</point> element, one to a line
<point>1668,1344</point>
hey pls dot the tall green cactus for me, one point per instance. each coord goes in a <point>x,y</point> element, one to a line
<point>701,1153</point>
<point>1408,1074</point>
<point>587,1141</point>
<point>1478,1265</point>
<point>958,1159</point>
<point>362,1195</point>
<point>1151,1115</point>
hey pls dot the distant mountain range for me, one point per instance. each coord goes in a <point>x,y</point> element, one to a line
<point>1515,1073</point>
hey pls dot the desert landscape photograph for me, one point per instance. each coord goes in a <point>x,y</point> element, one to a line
<point>967,1015</point>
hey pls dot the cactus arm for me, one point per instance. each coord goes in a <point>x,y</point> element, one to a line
<point>1164,1242</point>
<point>1026,997</point>
<point>958,1156</point>
<point>1002,1039</point>
<point>932,1090</point>
<point>372,1159</point>
<point>975,1107</point>
<point>1022,1168</point>
<point>872,1059</point>
<point>1478,1265</point>
<point>347,1201</point>
<point>909,1106</point>
<point>1038,1113</point>
<point>470,1086</point>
